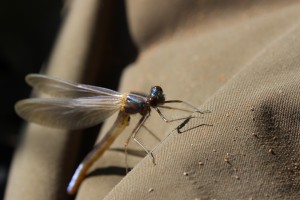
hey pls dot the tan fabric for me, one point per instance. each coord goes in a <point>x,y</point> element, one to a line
<point>238,59</point>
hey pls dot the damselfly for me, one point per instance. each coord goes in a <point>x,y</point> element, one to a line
<point>77,106</point>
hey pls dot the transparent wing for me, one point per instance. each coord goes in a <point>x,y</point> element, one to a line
<point>61,88</point>
<point>68,113</point>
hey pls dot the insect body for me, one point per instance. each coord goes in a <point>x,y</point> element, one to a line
<point>77,106</point>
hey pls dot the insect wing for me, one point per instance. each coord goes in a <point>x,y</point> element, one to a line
<point>68,113</point>
<point>61,88</point>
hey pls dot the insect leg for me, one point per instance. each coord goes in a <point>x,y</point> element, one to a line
<point>170,120</point>
<point>151,133</point>
<point>133,136</point>
<point>185,103</point>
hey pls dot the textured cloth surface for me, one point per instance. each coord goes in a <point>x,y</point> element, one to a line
<point>241,61</point>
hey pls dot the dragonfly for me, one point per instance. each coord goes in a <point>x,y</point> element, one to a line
<point>78,106</point>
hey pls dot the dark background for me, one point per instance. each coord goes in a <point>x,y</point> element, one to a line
<point>27,36</point>
<point>28,31</point>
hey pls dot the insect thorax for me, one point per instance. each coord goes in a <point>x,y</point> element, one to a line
<point>135,104</point>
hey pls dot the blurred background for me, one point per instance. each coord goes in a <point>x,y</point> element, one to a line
<point>28,31</point>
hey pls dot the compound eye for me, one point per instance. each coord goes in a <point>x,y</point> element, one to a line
<point>156,90</point>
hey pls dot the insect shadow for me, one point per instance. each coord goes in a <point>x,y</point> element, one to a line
<point>185,122</point>
<point>112,170</point>
<point>138,153</point>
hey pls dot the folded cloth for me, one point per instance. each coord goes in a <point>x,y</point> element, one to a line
<point>240,61</point>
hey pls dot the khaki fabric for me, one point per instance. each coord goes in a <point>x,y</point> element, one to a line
<point>240,60</point>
